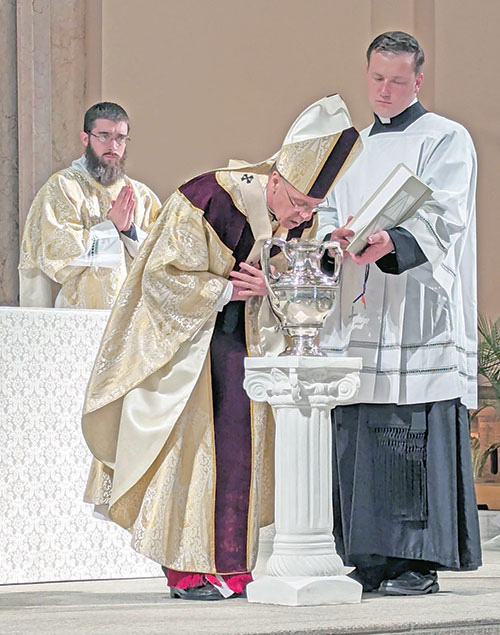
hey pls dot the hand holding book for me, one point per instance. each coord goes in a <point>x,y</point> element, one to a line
<point>379,245</point>
<point>395,200</point>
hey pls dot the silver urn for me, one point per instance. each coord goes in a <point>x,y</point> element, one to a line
<point>302,296</point>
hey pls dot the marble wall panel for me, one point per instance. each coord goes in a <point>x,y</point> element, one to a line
<point>34,99</point>
<point>67,33</point>
<point>9,244</point>
<point>49,48</point>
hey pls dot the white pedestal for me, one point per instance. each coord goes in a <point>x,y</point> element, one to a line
<point>304,567</point>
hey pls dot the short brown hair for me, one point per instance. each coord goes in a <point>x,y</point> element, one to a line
<point>398,42</point>
<point>104,110</point>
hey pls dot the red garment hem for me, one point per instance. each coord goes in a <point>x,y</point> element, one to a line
<point>186,579</point>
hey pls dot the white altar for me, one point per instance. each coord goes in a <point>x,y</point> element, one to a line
<point>47,531</point>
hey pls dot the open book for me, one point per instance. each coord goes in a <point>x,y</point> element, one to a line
<point>395,200</point>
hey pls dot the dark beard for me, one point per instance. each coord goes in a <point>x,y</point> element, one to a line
<point>105,173</point>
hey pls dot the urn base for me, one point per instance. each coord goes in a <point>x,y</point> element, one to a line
<point>304,344</point>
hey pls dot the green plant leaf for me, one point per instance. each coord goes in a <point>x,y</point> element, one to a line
<point>488,361</point>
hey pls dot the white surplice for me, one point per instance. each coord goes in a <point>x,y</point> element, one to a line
<point>417,335</point>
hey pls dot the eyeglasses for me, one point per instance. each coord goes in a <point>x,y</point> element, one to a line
<point>300,206</point>
<point>106,137</point>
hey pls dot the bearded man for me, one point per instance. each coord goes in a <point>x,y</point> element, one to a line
<point>87,221</point>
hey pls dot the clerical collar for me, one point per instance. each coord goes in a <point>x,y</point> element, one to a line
<point>399,122</point>
<point>81,164</point>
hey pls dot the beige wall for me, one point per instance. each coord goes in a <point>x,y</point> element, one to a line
<point>468,90</point>
<point>206,80</point>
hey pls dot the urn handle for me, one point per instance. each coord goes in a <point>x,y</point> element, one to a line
<point>266,255</point>
<point>339,256</point>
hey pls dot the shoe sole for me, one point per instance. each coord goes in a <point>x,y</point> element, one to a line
<point>177,596</point>
<point>432,589</point>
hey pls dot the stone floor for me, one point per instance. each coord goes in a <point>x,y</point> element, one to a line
<point>468,603</point>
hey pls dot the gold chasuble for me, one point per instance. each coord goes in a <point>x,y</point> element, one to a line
<point>148,414</point>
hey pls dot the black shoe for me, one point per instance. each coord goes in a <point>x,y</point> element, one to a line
<point>368,581</point>
<point>411,583</point>
<point>209,592</point>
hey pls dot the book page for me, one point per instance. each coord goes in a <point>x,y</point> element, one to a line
<point>395,200</point>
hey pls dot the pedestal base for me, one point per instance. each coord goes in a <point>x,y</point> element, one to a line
<point>304,590</point>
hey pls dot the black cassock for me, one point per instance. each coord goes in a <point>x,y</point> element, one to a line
<point>403,487</point>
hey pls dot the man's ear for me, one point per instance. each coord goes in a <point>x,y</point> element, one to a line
<point>419,80</point>
<point>275,179</point>
<point>84,138</point>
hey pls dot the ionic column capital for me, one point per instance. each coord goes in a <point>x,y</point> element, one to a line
<point>321,382</point>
